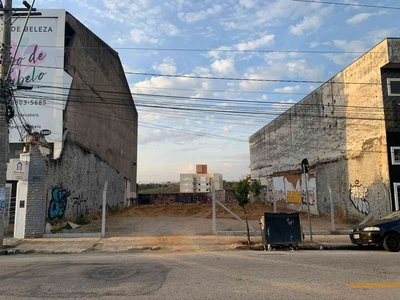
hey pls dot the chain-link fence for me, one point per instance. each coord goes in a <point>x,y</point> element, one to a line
<point>336,213</point>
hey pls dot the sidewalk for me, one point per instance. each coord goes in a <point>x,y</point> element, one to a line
<point>169,243</point>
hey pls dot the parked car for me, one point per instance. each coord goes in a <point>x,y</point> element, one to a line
<point>385,231</point>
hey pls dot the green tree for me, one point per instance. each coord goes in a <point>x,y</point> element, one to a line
<point>242,191</point>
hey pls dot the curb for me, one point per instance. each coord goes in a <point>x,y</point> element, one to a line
<point>328,247</point>
<point>307,246</point>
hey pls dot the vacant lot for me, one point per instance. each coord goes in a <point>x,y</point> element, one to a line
<point>192,219</point>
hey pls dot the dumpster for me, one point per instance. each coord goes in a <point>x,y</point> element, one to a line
<point>281,229</point>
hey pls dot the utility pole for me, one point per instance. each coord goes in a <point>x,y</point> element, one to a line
<point>4,94</point>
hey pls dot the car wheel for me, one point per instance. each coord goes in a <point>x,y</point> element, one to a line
<point>392,242</point>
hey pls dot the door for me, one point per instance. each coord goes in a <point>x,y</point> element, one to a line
<point>396,195</point>
<point>20,210</point>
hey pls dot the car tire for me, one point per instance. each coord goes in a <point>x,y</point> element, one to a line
<point>392,242</point>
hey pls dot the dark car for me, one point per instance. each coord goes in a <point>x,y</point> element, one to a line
<point>385,231</point>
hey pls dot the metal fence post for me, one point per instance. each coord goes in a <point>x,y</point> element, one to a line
<point>308,206</point>
<point>214,213</point>
<point>103,219</point>
<point>332,208</point>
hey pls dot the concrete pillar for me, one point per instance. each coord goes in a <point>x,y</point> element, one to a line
<point>35,221</point>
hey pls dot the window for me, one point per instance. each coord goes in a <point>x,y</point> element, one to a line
<point>395,153</point>
<point>393,86</point>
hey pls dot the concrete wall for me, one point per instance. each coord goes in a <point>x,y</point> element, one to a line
<point>329,128</point>
<point>180,198</point>
<point>100,114</point>
<point>75,184</point>
<point>36,200</point>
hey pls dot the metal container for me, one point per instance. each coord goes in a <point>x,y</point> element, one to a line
<point>281,228</point>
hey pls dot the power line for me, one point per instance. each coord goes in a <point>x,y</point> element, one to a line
<point>166,128</point>
<point>225,78</point>
<point>234,112</point>
<point>348,4</point>
<point>220,50</point>
<point>223,100</point>
<point>120,120</point>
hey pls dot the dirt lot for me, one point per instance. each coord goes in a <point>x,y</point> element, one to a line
<point>191,219</point>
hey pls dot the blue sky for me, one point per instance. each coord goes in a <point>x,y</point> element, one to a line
<point>173,141</point>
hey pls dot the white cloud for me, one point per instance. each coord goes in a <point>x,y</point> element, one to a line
<point>192,17</point>
<point>227,128</point>
<point>359,46</point>
<point>223,66</point>
<point>284,105</point>
<point>308,23</point>
<point>288,89</point>
<point>166,67</point>
<point>298,69</point>
<point>169,29</point>
<point>255,44</point>
<point>314,44</point>
<point>357,19</point>
<point>266,14</point>
<point>311,22</point>
<point>139,36</point>
<point>247,3</point>
<point>251,44</point>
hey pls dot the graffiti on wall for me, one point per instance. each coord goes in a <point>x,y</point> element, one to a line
<point>58,203</point>
<point>280,195</point>
<point>358,195</point>
<point>270,191</point>
<point>311,197</point>
<point>79,204</point>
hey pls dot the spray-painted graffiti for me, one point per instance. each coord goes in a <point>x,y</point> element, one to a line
<point>79,204</point>
<point>358,195</point>
<point>58,203</point>
<point>280,195</point>
<point>311,197</point>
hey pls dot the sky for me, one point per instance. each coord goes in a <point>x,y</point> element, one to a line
<point>231,39</point>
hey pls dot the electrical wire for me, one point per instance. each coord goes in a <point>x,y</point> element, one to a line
<point>348,4</point>
<point>226,78</point>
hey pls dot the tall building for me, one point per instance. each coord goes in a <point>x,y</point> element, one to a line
<point>349,130</point>
<point>201,181</point>
<point>85,123</point>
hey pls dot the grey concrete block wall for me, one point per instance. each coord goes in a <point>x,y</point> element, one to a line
<point>100,113</point>
<point>36,200</point>
<point>75,184</point>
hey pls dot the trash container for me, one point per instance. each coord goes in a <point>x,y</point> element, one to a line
<point>281,228</point>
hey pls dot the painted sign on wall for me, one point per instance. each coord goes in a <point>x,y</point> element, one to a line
<point>293,197</point>
<point>291,188</point>
<point>19,170</point>
<point>39,63</point>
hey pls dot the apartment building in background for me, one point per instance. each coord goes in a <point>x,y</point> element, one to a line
<point>201,181</point>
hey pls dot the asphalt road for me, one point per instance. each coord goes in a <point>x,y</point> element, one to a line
<point>203,275</point>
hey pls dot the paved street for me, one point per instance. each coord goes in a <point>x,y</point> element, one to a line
<point>203,275</point>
